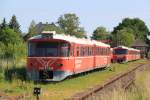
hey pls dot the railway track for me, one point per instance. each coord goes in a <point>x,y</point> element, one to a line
<point>123,80</point>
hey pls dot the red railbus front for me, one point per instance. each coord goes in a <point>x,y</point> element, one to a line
<point>49,59</point>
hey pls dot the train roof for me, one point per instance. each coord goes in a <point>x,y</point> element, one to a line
<point>124,47</point>
<point>72,39</point>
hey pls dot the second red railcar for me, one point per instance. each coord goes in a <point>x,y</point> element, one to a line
<point>125,54</point>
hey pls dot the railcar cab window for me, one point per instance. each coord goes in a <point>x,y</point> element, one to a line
<point>65,50</point>
<point>120,51</point>
<point>48,49</point>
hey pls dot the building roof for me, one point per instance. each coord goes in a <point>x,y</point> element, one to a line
<point>72,39</point>
<point>139,43</point>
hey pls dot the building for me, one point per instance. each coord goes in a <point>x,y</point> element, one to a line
<point>141,45</point>
<point>41,27</point>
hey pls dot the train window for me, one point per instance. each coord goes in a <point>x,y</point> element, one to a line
<point>64,52</point>
<point>77,51</point>
<point>85,51</point>
<point>91,51</point>
<point>120,51</point>
<point>72,51</point>
<point>104,51</point>
<point>31,49</point>
<point>98,51</point>
<point>81,51</point>
<point>48,49</point>
<point>43,49</point>
<point>88,51</point>
<point>101,51</point>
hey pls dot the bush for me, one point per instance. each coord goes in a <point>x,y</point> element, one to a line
<point>15,73</point>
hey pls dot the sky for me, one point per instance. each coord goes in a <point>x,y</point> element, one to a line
<point>91,13</point>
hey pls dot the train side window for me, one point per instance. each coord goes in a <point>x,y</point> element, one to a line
<point>102,51</point>
<point>92,51</point>
<point>65,50</point>
<point>99,50</point>
<point>85,51</point>
<point>80,51</point>
<point>77,51</point>
<point>105,51</point>
<point>88,51</point>
<point>72,51</point>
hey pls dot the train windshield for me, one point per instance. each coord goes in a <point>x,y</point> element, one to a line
<point>48,49</point>
<point>120,51</point>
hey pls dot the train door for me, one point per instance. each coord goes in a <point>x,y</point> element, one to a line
<point>77,59</point>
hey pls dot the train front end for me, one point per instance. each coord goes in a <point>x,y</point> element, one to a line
<point>48,58</point>
<point>120,55</point>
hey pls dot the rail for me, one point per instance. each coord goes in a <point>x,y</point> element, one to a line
<point>122,80</point>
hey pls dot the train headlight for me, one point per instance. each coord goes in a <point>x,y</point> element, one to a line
<point>59,65</point>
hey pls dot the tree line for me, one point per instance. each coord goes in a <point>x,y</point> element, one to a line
<point>12,40</point>
<point>12,45</point>
<point>125,33</point>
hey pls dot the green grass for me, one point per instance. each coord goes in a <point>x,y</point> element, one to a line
<point>68,87</point>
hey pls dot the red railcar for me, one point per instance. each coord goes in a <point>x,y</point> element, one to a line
<point>53,57</point>
<point>125,54</point>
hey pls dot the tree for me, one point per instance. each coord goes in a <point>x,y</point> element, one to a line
<point>9,36</point>
<point>100,34</point>
<point>31,31</point>
<point>4,24</point>
<point>123,37</point>
<point>70,24</point>
<point>80,33</point>
<point>138,26</point>
<point>13,24</point>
